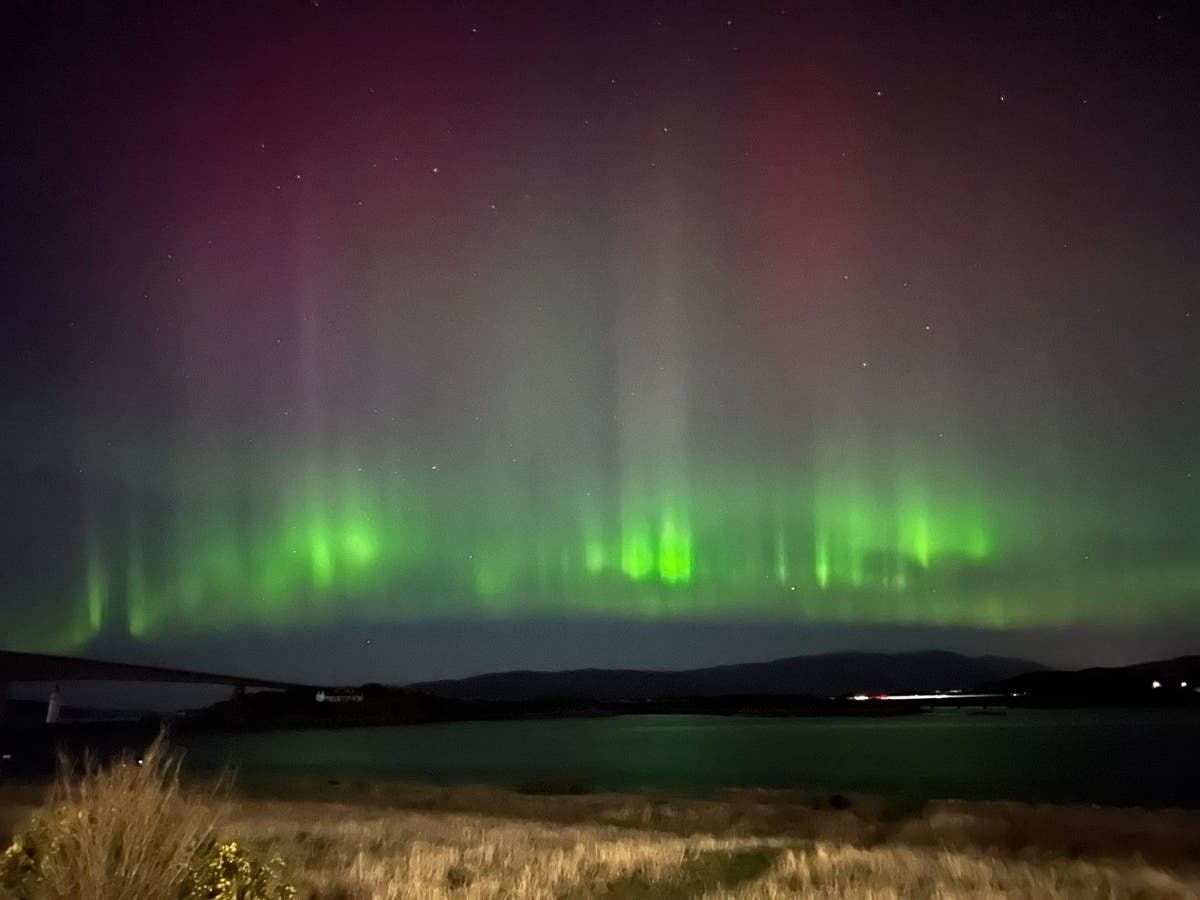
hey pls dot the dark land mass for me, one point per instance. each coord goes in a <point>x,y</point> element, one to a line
<point>826,675</point>
<point>800,686</point>
<point>1169,682</point>
<point>381,705</point>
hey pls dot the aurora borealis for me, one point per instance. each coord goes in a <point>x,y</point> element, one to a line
<point>329,313</point>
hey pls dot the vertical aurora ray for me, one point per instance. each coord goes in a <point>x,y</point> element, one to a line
<point>674,550</point>
<point>136,585</point>
<point>96,591</point>
<point>779,550</point>
<point>822,567</point>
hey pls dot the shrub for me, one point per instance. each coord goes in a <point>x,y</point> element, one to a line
<point>839,802</point>
<point>127,830</point>
<point>130,831</point>
<point>556,784</point>
<point>21,865</point>
<point>228,872</point>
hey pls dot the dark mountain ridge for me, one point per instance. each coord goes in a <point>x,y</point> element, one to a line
<point>1159,681</point>
<point>825,675</point>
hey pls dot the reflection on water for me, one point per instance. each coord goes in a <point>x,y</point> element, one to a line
<point>1126,757</point>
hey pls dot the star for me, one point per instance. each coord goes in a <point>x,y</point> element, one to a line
<point>434,170</point>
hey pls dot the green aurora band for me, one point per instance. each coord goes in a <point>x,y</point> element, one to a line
<point>933,550</point>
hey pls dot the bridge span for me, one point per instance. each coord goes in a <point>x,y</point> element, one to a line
<point>16,667</point>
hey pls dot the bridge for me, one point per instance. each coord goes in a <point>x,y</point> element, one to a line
<point>36,667</point>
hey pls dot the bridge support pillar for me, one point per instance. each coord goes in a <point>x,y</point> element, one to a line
<point>237,703</point>
<point>53,706</point>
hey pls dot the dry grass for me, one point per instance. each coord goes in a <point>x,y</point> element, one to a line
<point>354,852</point>
<point>128,830</point>
<point>132,831</point>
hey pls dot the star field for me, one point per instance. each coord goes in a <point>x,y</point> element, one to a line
<point>350,313</point>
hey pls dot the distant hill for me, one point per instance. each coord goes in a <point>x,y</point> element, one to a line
<point>1161,681</point>
<point>827,675</point>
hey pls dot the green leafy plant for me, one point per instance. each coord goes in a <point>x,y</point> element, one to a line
<point>229,872</point>
<point>21,864</point>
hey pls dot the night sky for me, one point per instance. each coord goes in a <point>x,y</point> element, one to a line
<point>404,340</point>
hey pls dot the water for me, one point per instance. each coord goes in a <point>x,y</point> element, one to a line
<point>1120,757</point>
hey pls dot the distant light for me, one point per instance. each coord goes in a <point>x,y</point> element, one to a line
<point>1183,684</point>
<point>1156,684</point>
<point>934,695</point>
<point>141,762</point>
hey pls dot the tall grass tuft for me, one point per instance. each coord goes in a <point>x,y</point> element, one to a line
<point>124,831</point>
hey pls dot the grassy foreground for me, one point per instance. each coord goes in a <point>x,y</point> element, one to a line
<point>348,851</point>
<point>133,832</point>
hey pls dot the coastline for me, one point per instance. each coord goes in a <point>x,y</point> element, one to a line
<point>1169,835</point>
<point>738,846</point>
